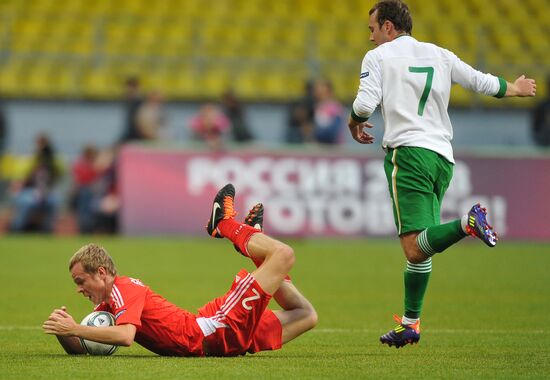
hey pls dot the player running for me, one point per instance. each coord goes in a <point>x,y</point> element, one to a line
<point>412,81</point>
<point>237,323</point>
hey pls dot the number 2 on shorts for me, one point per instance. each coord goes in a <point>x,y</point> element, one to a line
<point>430,75</point>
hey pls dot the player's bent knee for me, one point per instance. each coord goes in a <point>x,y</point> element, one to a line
<point>285,256</point>
<point>411,250</point>
<point>312,318</point>
<point>415,257</point>
<point>308,319</point>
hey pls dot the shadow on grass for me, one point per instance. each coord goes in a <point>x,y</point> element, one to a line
<point>261,357</point>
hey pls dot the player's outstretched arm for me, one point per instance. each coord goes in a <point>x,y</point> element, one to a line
<point>521,87</point>
<point>63,325</point>
<point>121,335</point>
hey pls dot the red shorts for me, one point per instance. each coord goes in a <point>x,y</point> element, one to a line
<point>240,322</point>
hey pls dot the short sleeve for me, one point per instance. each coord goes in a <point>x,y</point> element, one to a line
<point>129,300</point>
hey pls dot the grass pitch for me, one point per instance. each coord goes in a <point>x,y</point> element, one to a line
<point>485,314</point>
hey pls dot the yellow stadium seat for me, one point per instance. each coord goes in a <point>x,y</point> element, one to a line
<point>11,75</point>
<point>277,85</point>
<point>15,168</point>
<point>212,82</point>
<point>245,84</point>
<point>278,82</point>
<point>158,36</point>
<point>38,82</point>
<point>50,80</point>
<point>10,6</point>
<point>179,81</point>
<point>100,83</point>
<point>461,97</point>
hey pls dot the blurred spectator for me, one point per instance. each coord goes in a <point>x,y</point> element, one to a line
<point>3,138</point>
<point>150,118</point>
<point>329,114</point>
<point>300,117</point>
<point>209,125</point>
<point>106,201</point>
<point>541,120</point>
<point>133,104</point>
<point>85,175</point>
<point>35,201</point>
<point>94,196</point>
<point>233,109</point>
<point>3,131</point>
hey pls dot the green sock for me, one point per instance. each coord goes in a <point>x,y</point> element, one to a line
<point>438,238</point>
<point>416,278</point>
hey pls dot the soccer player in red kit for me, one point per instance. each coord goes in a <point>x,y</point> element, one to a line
<point>234,324</point>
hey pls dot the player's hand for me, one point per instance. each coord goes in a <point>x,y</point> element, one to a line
<point>524,87</point>
<point>60,323</point>
<point>358,132</point>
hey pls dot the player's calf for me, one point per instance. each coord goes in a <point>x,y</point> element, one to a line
<point>255,219</point>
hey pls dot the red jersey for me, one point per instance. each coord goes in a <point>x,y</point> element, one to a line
<point>84,173</point>
<point>162,327</point>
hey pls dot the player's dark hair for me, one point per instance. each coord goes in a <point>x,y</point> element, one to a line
<point>395,11</point>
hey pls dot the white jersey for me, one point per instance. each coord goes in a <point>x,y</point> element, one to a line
<point>412,82</point>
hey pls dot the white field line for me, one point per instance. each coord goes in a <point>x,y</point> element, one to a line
<point>434,331</point>
<point>353,331</point>
<point>17,327</point>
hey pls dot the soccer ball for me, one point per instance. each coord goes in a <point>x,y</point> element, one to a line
<point>98,319</point>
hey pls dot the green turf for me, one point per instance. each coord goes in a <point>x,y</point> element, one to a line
<point>485,315</point>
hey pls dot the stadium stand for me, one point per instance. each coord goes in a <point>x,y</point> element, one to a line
<point>195,49</point>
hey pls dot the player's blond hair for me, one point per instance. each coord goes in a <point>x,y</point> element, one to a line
<point>93,256</point>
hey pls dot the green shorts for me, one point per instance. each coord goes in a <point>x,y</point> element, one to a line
<point>417,179</point>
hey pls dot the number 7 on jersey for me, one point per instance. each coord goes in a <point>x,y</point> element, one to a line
<point>429,78</point>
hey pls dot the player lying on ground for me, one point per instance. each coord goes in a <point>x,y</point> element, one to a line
<point>234,324</point>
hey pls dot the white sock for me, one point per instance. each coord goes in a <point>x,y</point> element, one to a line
<point>464,223</point>
<point>409,321</point>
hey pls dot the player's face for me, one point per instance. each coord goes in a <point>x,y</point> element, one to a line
<point>378,33</point>
<point>92,286</point>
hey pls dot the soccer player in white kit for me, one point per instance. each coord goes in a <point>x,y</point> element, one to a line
<point>412,80</point>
